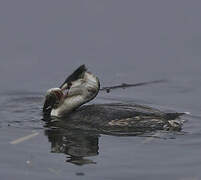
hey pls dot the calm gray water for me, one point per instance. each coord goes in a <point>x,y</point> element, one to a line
<point>122,42</point>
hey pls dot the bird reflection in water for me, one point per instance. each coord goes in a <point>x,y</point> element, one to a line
<point>76,141</point>
<point>78,145</point>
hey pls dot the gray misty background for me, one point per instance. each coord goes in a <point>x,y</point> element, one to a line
<point>42,41</point>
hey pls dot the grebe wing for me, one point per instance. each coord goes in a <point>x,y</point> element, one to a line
<point>77,74</point>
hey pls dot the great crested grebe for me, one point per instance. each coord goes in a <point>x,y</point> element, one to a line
<point>81,87</point>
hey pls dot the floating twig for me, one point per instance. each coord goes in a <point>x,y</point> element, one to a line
<point>19,140</point>
<point>126,85</point>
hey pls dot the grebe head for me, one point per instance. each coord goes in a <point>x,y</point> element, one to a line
<point>53,98</point>
<point>79,88</point>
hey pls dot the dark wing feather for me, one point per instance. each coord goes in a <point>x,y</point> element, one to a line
<point>78,73</point>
